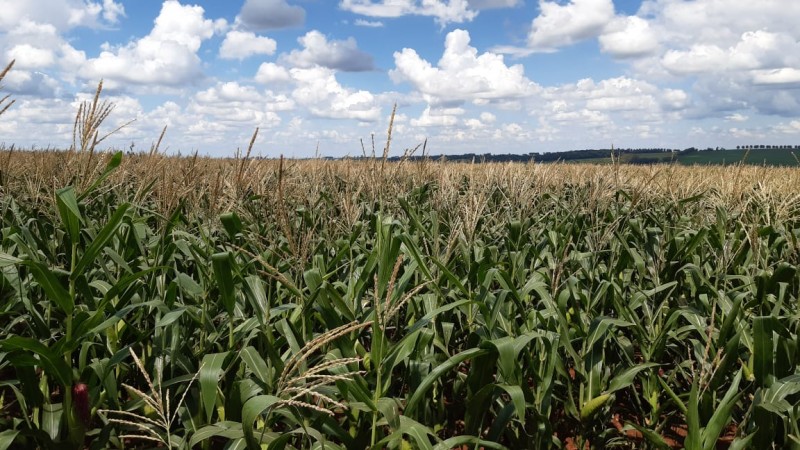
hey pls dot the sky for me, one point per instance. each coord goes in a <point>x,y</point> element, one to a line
<point>321,77</point>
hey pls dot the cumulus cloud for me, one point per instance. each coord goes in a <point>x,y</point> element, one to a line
<point>167,56</point>
<point>244,44</point>
<point>754,50</point>
<point>628,37</point>
<point>233,105</point>
<point>30,57</point>
<point>270,14</point>
<point>625,105</point>
<point>319,51</point>
<point>438,117</point>
<point>739,54</point>
<point>462,74</point>
<point>777,77</point>
<point>112,11</point>
<point>269,73</point>
<point>38,46</point>
<point>444,11</point>
<point>318,90</point>
<point>560,25</point>
<point>33,83</point>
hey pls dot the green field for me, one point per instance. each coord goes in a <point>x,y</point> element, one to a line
<point>219,304</point>
<point>758,157</point>
<point>769,157</point>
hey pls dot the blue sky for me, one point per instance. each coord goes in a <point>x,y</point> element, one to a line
<point>470,76</point>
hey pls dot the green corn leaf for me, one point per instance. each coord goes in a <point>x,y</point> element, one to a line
<point>694,438</point>
<point>390,410</point>
<point>476,411</point>
<point>50,361</point>
<point>100,241</point>
<point>517,399</point>
<point>7,260</point>
<point>774,398</point>
<point>232,224</point>
<point>250,412</point>
<point>763,350</point>
<point>418,432</point>
<point>188,285</point>
<point>438,372</point>
<point>742,443</point>
<point>7,438</point>
<point>223,273</point>
<point>279,442</point>
<point>650,436</point>
<point>70,212</point>
<point>256,364</point>
<point>52,414</point>
<point>210,372</point>
<point>599,328</point>
<point>226,429</point>
<point>506,355</point>
<point>471,441</point>
<point>170,317</point>
<point>722,414</point>
<point>51,286</point>
<point>625,379</point>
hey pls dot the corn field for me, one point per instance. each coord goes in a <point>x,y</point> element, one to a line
<point>164,302</point>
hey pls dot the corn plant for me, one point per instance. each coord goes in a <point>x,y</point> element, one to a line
<point>243,303</point>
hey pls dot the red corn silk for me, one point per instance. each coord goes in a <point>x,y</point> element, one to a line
<point>80,402</point>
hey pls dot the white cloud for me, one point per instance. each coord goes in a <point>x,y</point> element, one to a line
<point>270,14</point>
<point>318,90</point>
<point>792,127</point>
<point>628,37</point>
<point>754,50</point>
<point>165,57</point>
<point>112,11</point>
<point>368,23</point>
<point>234,107</point>
<point>492,4</point>
<point>719,22</point>
<point>62,14</point>
<point>674,99</point>
<point>474,124</point>
<point>279,102</point>
<point>339,55</point>
<point>560,25</point>
<point>34,83</point>
<point>269,73</point>
<point>244,44</point>
<point>736,118</point>
<point>37,46</point>
<point>776,77</point>
<point>461,74</point>
<point>487,117</point>
<point>30,57</point>
<point>618,94</point>
<point>444,11</point>
<point>628,106</point>
<point>438,117</point>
